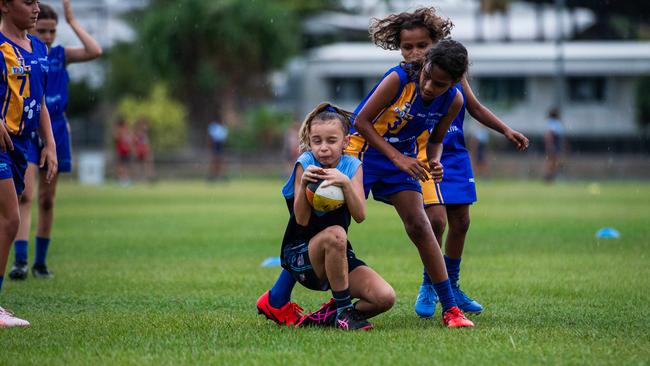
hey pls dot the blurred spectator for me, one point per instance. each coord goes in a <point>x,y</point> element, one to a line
<point>143,152</point>
<point>290,148</point>
<point>217,133</point>
<point>553,145</point>
<point>478,146</point>
<point>122,140</point>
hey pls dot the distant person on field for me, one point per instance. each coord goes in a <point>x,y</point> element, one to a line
<point>56,97</point>
<point>143,152</point>
<point>122,140</point>
<point>479,142</point>
<point>217,136</point>
<point>553,144</point>
<point>290,147</point>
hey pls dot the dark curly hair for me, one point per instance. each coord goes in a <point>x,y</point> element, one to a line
<point>47,12</point>
<point>385,32</point>
<point>449,55</point>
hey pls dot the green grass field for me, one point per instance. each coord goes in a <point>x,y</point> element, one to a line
<point>169,274</point>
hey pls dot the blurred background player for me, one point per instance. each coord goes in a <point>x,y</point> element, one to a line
<point>478,148</point>
<point>217,135</point>
<point>56,97</point>
<point>290,148</point>
<point>122,142</point>
<point>553,145</point>
<point>24,69</point>
<point>143,151</point>
<point>414,34</point>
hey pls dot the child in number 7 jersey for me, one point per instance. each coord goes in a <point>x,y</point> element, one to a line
<point>23,69</point>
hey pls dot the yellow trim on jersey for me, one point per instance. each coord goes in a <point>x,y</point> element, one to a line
<point>17,82</point>
<point>431,193</point>
<point>422,145</point>
<point>388,120</point>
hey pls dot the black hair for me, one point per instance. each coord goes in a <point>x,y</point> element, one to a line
<point>450,56</point>
<point>47,12</point>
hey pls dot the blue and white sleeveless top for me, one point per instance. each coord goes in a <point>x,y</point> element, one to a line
<point>348,165</point>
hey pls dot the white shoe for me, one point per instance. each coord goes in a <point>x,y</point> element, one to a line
<point>8,320</point>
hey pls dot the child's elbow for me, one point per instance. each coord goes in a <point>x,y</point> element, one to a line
<point>302,220</point>
<point>358,218</point>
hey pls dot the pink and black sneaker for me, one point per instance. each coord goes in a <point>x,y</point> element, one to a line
<point>351,319</point>
<point>325,316</point>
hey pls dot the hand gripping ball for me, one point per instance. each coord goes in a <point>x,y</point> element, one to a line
<point>324,199</point>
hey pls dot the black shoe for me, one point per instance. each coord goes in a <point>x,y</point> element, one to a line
<point>323,317</point>
<point>41,271</point>
<point>19,271</point>
<point>350,319</point>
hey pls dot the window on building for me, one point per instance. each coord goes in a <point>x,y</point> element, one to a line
<point>505,90</point>
<point>346,89</point>
<point>586,89</point>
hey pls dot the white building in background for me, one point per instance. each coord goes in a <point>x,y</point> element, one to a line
<point>522,22</point>
<point>515,80</point>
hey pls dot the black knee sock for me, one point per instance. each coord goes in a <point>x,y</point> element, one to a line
<point>343,299</point>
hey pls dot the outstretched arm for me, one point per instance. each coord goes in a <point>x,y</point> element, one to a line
<point>91,49</point>
<point>485,116</point>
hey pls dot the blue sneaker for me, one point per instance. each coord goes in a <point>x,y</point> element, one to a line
<point>425,304</point>
<point>466,303</point>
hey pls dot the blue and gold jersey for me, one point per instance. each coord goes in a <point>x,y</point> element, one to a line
<point>454,138</point>
<point>56,93</point>
<point>22,84</point>
<point>404,120</point>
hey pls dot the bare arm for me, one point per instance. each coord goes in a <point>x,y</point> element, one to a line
<point>48,154</point>
<point>301,208</point>
<point>5,140</point>
<point>434,145</point>
<point>377,102</point>
<point>91,49</point>
<point>485,116</point>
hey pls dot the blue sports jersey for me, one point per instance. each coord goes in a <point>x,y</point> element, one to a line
<point>457,186</point>
<point>348,165</point>
<point>454,138</point>
<point>405,119</point>
<point>56,93</point>
<point>23,82</point>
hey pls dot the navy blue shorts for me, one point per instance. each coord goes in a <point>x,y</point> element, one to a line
<point>13,163</point>
<point>383,178</point>
<point>63,146</point>
<point>295,259</point>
